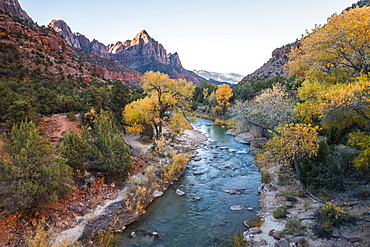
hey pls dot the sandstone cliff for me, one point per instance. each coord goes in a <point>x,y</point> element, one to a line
<point>14,8</point>
<point>43,49</point>
<point>274,66</point>
<point>142,53</point>
<point>13,30</point>
<point>62,28</point>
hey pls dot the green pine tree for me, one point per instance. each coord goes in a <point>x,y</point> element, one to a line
<point>34,175</point>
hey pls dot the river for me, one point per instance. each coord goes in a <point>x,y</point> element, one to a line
<point>187,221</point>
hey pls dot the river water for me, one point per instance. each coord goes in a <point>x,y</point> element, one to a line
<point>187,221</point>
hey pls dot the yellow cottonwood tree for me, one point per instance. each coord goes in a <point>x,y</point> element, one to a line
<point>166,97</point>
<point>340,105</point>
<point>223,95</point>
<point>140,116</point>
<point>361,140</point>
<point>337,51</point>
<point>296,142</point>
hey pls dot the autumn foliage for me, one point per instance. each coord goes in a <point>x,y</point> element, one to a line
<point>223,95</point>
<point>165,99</point>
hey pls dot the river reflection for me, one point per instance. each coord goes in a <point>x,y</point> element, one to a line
<point>187,221</point>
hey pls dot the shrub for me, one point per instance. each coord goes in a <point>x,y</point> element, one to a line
<point>327,169</point>
<point>290,195</point>
<point>177,167</point>
<point>279,213</point>
<point>71,116</point>
<point>256,221</point>
<point>293,227</point>
<point>239,240</point>
<point>265,177</point>
<point>331,215</point>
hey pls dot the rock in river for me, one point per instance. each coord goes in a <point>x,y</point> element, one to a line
<point>244,138</point>
<point>197,158</point>
<point>180,192</point>
<point>157,193</point>
<point>198,172</point>
<point>236,207</point>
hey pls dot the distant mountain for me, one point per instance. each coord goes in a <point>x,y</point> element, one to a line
<point>231,78</point>
<point>142,53</point>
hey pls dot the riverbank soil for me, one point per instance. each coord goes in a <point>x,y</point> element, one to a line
<point>300,225</point>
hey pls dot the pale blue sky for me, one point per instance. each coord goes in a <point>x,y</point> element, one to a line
<point>216,35</point>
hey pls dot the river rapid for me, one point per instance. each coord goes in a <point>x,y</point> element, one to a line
<point>202,216</point>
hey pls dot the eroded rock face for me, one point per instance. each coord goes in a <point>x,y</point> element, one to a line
<point>50,42</point>
<point>63,29</point>
<point>14,8</point>
<point>274,66</point>
<point>142,53</point>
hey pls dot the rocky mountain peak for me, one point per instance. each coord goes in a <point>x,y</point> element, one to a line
<point>175,60</point>
<point>63,29</point>
<point>142,53</point>
<point>142,36</point>
<point>14,8</point>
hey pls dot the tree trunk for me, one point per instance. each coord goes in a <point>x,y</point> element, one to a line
<point>298,172</point>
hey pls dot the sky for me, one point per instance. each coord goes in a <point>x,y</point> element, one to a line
<point>226,36</point>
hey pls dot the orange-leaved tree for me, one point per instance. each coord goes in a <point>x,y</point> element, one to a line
<point>223,95</point>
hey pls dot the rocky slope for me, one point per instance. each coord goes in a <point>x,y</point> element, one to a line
<point>142,53</point>
<point>274,66</point>
<point>44,49</point>
<point>14,8</point>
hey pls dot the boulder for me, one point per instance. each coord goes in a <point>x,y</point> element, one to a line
<point>230,132</point>
<point>197,158</point>
<point>299,240</point>
<point>277,235</point>
<point>180,192</point>
<point>282,243</point>
<point>258,142</point>
<point>255,230</point>
<point>245,138</point>
<point>236,207</point>
<point>256,131</point>
<point>157,193</point>
<point>198,172</point>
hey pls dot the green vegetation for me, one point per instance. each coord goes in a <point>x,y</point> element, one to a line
<point>34,175</point>
<point>331,215</point>
<point>279,213</point>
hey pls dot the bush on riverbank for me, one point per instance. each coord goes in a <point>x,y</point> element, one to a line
<point>177,167</point>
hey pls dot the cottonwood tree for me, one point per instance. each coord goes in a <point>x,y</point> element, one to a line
<point>32,171</point>
<point>140,116</point>
<point>223,95</point>
<point>361,140</point>
<point>333,65</point>
<point>296,142</point>
<point>165,97</point>
<point>337,51</point>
